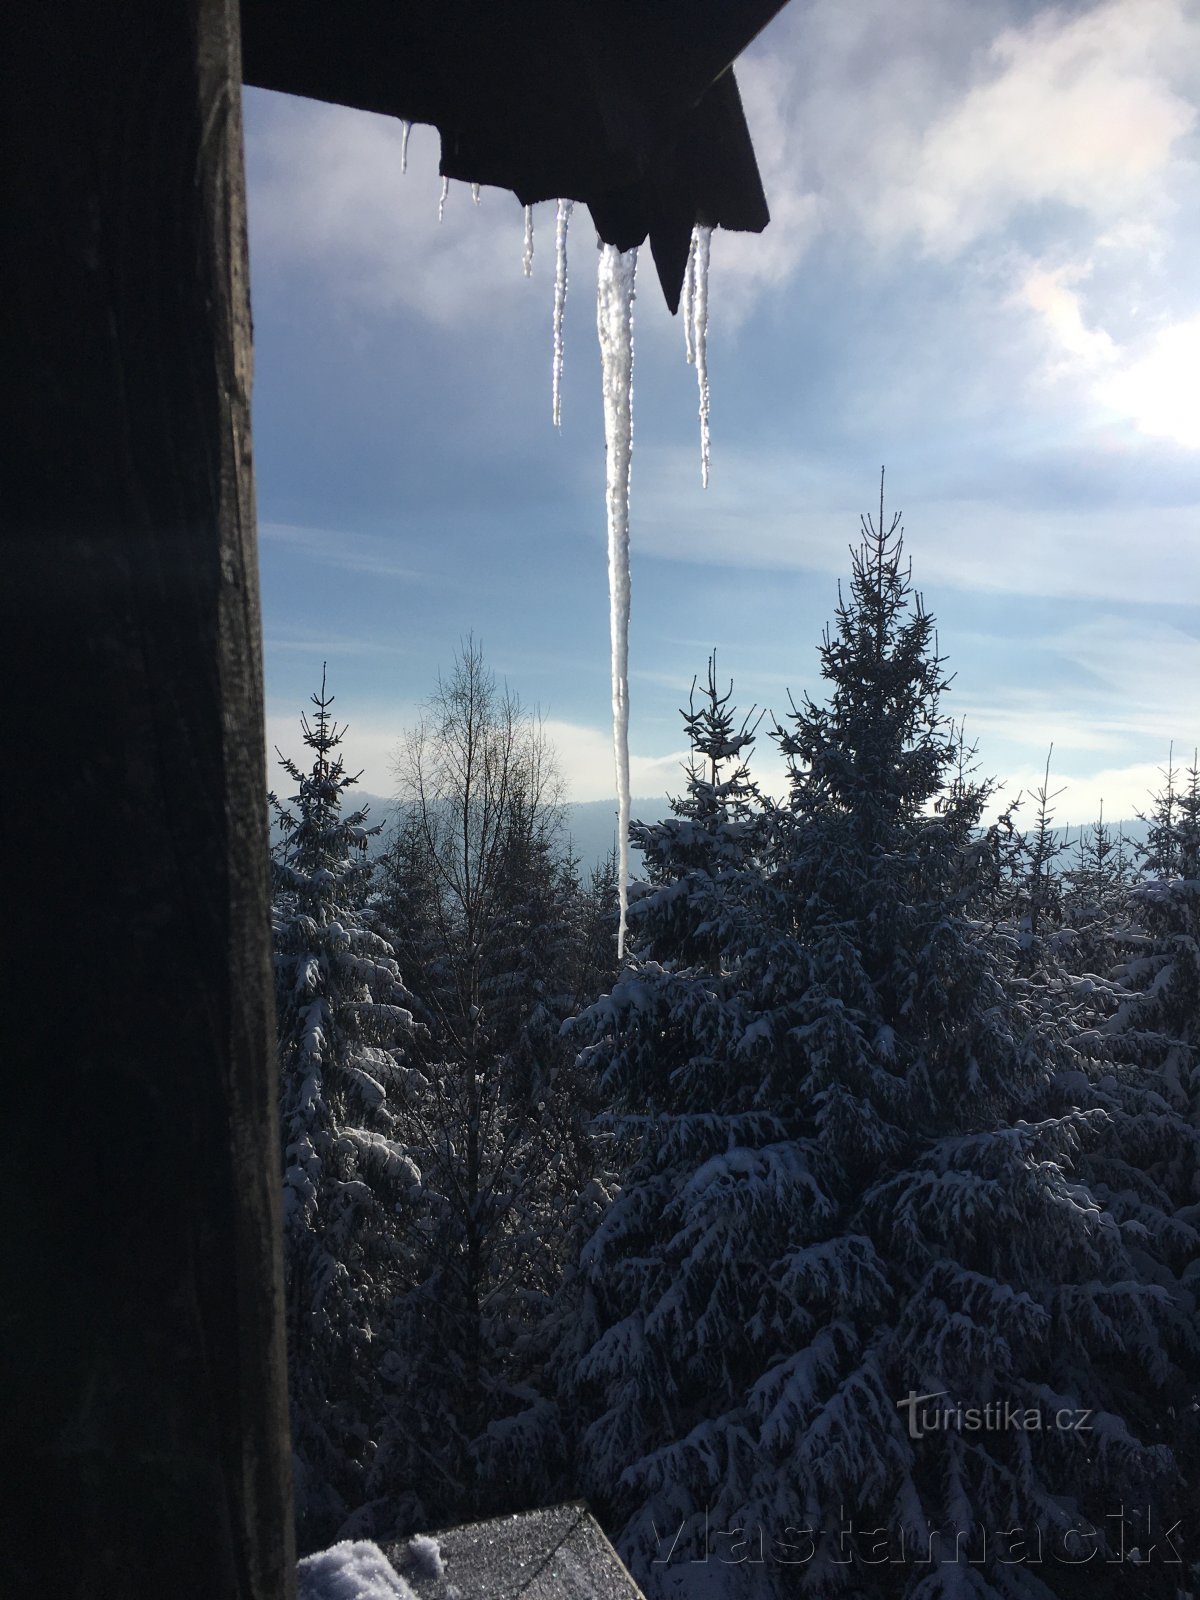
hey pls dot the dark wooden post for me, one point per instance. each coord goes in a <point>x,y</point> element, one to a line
<point>145,1435</point>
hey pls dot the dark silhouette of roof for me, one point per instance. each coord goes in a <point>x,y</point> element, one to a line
<point>629,106</point>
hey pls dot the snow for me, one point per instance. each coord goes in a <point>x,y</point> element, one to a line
<point>698,343</point>
<point>426,1556</point>
<point>405,130</point>
<point>561,223</point>
<point>614,324</point>
<point>355,1569</point>
<point>527,259</point>
<point>442,198</point>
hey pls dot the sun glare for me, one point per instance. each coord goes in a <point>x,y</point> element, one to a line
<point>1160,393</point>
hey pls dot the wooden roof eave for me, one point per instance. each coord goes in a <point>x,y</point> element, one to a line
<point>629,107</point>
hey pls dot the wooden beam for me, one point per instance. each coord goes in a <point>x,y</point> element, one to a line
<point>141,1320</point>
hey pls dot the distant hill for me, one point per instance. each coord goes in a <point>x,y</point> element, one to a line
<point>592,825</point>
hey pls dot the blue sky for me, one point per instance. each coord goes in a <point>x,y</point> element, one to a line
<point>980,270</point>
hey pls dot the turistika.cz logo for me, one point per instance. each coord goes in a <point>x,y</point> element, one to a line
<point>997,1416</point>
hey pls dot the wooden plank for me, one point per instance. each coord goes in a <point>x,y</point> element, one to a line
<point>142,1243</point>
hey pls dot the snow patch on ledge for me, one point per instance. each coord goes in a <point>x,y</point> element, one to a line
<point>356,1569</point>
<point>426,1556</point>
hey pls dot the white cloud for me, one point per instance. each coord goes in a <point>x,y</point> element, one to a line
<point>941,122</point>
<point>326,193</point>
<point>585,759</point>
<point>746,264</point>
<point>373,738</point>
<point>1117,793</point>
<point>1152,382</point>
<point>1079,109</point>
<point>1143,693</point>
<point>1049,292</point>
<point>351,552</point>
<point>946,131</point>
<point>370,747</point>
<point>1134,662</point>
<point>802,521</point>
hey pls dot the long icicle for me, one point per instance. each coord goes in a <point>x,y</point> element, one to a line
<point>405,130</point>
<point>689,299</point>
<point>442,198</point>
<point>562,221</point>
<point>615,288</point>
<point>527,259</point>
<point>702,242</point>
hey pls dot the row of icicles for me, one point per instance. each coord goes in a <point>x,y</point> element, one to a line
<point>615,293</point>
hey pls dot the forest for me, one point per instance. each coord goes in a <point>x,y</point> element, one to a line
<point>841,1238</point>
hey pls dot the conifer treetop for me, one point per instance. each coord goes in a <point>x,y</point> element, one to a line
<point>879,749</point>
<point>316,835</point>
<point>1172,849</point>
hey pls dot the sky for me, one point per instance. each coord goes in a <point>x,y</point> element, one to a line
<point>980,271</point>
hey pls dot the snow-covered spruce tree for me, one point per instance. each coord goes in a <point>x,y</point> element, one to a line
<point>879,1212</point>
<point>1163,970</point>
<point>1103,970</point>
<point>1071,946</point>
<point>1132,955</point>
<point>484,907</point>
<point>1094,891</point>
<point>599,917</point>
<point>1162,1015</point>
<point>1062,933</point>
<point>1158,1017</point>
<point>662,1330</point>
<point>1031,900</point>
<point>344,1020</point>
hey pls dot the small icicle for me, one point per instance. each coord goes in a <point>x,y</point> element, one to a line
<point>405,130</point>
<point>702,241</point>
<point>442,199</point>
<point>614,324</point>
<point>689,299</point>
<point>527,259</point>
<point>475,193</point>
<point>561,223</point>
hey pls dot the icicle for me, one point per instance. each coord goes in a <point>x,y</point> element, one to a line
<point>475,193</point>
<point>614,324</point>
<point>527,261</point>
<point>561,223</point>
<point>442,199</point>
<point>689,299</point>
<point>701,243</point>
<point>405,130</point>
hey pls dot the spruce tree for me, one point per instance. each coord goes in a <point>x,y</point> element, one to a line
<point>1090,968</point>
<point>1095,888</point>
<point>1157,1024</point>
<point>844,1190</point>
<point>344,1022</point>
<point>669,1312</point>
<point>1118,1033</point>
<point>1035,888</point>
<point>1163,970</point>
